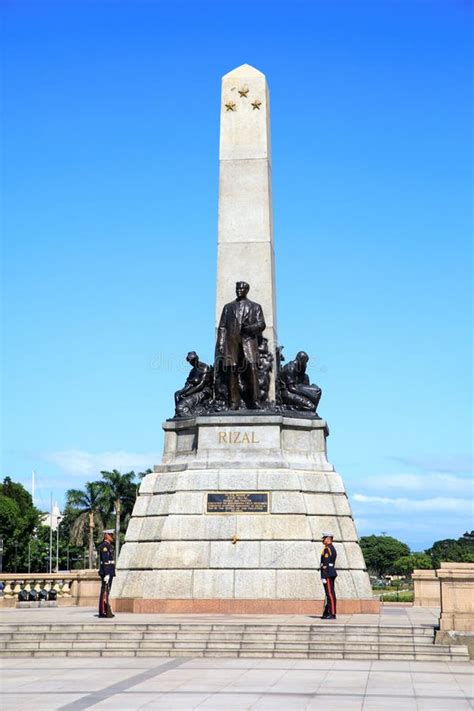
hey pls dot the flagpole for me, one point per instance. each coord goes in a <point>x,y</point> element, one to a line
<point>51,535</point>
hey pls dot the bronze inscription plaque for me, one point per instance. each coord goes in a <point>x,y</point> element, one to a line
<point>237,502</point>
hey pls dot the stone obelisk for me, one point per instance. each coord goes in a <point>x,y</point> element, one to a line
<point>245,224</point>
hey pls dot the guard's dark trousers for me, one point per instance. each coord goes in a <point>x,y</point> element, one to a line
<point>330,590</point>
<point>104,606</point>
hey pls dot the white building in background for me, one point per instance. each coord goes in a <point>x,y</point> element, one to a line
<point>53,518</point>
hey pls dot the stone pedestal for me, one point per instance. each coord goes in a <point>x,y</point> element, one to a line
<point>426,588</point>
<point>457,596</point>
<point>85,588</point>
<point>178,557</point>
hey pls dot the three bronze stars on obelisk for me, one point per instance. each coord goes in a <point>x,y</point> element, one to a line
<point>243,93</point>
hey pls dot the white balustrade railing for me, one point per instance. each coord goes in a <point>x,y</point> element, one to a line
<point>74,584</point>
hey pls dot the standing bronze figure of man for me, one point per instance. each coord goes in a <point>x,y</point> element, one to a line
<point>106,572</point>
<point>240,326</point>
<point>328,576</point>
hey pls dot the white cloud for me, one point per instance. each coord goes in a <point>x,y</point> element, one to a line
<point>422,482</point>
<point>77,461</point>
<point>439,503</point>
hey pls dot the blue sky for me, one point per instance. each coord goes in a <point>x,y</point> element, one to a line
<point>111,121</point>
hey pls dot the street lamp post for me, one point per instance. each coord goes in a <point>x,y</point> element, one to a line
<point>57,543</point>
<point>51,534</point>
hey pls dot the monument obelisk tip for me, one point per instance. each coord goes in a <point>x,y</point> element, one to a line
<point>244,70</point>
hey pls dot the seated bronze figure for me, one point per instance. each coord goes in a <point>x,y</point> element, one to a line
<point>296,392</point>
<point>196,395</point>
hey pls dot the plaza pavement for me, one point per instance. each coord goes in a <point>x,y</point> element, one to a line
<point>129,683</point>
<point>389,615</point>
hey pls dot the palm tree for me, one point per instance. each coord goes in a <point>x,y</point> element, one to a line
<point>121,491</point>
<point>89,506</point>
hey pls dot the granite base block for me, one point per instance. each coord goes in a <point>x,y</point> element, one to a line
<point>243,607</point>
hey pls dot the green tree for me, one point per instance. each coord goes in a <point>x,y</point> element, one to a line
<point>9,519</point>
<point>408,563</point>
<point>71,556</point>
<point>89,507</point>
<point>449,549</point>
<point>38,554</point>
<point>121,491</point>
<point>18,520</point>
<point>381,552</point>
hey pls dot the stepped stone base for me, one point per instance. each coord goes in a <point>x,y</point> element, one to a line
<point>178,557</point>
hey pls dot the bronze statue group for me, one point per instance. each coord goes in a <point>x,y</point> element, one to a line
<point>243,363</point>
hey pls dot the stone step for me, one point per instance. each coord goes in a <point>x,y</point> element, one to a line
<point>322,636</point>
<point>402,648</point>
<point>214,644</point>
<point>208,643</point>
<point>327,633</point>
<point>56,641</point>
<point>449,654</point>
<point>328,630</point>
<point>233,627</point>
<point>409,650</point>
